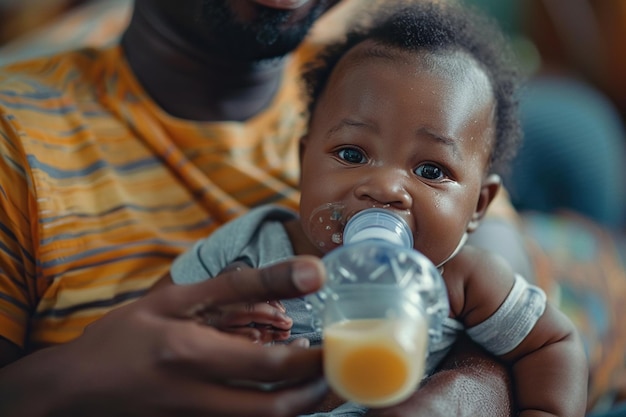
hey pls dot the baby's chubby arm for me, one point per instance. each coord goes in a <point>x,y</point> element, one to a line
<point>549,365</point>
<point>550,368</point>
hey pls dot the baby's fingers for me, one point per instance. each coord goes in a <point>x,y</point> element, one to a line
<point>260,334</point>
<point>277,304</point>
<point>260,314</point>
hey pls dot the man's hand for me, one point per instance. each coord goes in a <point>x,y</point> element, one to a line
<point>469,383</point>
<point>153,358</point>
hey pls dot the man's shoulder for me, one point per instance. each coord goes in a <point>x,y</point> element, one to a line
<point>92,23</point>
<point>52,73</point>
<point>53,101</point>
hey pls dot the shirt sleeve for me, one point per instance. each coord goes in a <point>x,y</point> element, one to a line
<point>18,277</point>
<point>257,238</point>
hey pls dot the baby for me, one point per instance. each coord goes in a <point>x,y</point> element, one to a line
<point>414,113</point>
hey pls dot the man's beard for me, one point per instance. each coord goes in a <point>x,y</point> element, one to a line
<point>263,38</point>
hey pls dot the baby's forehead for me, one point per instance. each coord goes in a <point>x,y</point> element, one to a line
<point>445,92</point>
<point>446,61</point>
<point>449,63</point>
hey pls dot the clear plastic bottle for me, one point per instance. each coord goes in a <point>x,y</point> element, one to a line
<point>382,305</point>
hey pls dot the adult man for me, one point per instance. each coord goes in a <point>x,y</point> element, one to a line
<point>113,162</point>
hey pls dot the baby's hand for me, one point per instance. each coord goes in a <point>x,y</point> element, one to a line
<point>260,322</point>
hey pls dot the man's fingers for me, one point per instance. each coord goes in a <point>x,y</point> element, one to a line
<point>192,349</point>
<point>274,363</point>
<point>262,335</point>
<point>296,277</point>
<point>302,342</point>
<point>250,399</point>
<point>278,305</point>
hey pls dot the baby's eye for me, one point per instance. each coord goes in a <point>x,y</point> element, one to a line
<point>430,172</point>
<point>352,155</point>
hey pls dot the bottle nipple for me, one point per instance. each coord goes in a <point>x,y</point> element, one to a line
<point>377,223</point>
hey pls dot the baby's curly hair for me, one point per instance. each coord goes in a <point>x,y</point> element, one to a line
<point>432,27</point>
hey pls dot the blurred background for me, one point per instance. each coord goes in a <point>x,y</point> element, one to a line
<point>573,106</point>
<point>568,181</point>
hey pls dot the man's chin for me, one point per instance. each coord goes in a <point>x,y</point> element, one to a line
<point>250,30</point>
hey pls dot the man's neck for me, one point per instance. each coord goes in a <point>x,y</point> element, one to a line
<point>190,84</point>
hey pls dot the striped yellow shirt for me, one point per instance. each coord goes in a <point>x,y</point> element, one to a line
<point>100,189</point>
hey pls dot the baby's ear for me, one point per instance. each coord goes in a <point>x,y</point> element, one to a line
<point>490,187</point>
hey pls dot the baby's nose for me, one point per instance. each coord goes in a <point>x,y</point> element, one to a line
<point>387,188</point>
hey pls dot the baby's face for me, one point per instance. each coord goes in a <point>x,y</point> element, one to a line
<point>396,132</point>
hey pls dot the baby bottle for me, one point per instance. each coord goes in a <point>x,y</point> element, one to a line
<point>382,305</point>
